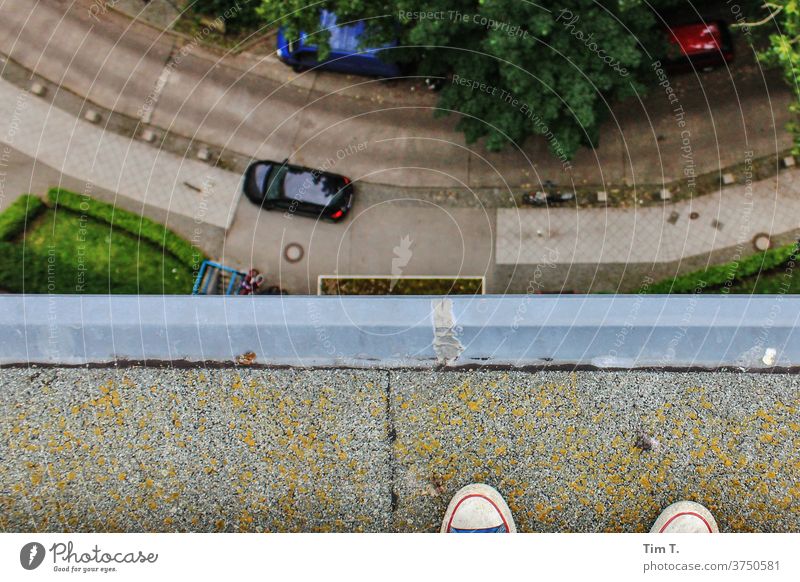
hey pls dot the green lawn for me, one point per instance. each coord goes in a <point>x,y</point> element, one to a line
<point>62,251</point>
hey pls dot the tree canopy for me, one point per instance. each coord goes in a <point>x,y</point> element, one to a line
<point>779,20</point>
<point>515,68</point>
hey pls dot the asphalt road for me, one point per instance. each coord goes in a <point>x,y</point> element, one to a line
<point>378,238</point>
<point>254,105</point>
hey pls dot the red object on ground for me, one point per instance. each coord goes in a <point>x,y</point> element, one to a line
<point>694,39</point>
<point>251,282</point>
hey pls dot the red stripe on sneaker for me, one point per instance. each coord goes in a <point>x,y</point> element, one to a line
<point>500,513</point>
<point>677,515</point>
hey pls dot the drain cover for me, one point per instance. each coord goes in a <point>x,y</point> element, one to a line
<point>762,241</point>
<point>293,252</point>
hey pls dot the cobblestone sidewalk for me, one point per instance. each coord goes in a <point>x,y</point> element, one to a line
<point>734,216</point>
<point>104,159</point>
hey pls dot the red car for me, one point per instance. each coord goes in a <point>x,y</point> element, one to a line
<point>699,45</point>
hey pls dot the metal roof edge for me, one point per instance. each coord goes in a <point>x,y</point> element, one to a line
<point>539,331</point>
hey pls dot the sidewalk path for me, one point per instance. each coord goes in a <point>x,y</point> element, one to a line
<point>256,106</point>
<point>652,234</point>
<point>104,159</point>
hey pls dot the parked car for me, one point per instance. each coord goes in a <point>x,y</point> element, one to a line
<point>699,45</point>
<point>298,190</point>
<point>346,56</point>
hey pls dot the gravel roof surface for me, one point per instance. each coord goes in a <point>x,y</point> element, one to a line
<point>194,450</point>
<point>150,449</point>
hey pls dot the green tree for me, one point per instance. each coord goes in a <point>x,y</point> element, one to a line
<point>548,68</point>
<point>237,20</point>
<point>780,21</point>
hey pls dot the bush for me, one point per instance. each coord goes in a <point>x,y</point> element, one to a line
<point>241,13</point>
<point>138,226</point>
<point>22,211</point>
<point>11,267</point>
<point>727,273</point>
<point>410,286</point>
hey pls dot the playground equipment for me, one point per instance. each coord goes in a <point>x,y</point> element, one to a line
<point>216,279</point>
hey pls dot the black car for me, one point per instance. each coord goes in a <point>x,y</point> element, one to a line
<point>298,190</point>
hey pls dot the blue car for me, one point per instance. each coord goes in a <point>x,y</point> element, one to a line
<point>346,55</point>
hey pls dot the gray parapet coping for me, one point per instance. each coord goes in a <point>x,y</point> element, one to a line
<point>602,331</point>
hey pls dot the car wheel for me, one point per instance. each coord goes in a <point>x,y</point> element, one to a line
<point>299,68</point>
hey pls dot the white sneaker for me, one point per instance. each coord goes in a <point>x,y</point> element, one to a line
<point>478,508</point>
<point>685,517</point>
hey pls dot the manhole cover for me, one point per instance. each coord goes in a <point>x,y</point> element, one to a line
<point>762,241</point>
<point>694,215</point>
<point>293,252</point>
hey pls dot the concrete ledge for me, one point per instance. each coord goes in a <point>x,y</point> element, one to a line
<point>609,332</point>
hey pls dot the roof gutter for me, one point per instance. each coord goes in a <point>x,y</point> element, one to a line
<point>596,331</point>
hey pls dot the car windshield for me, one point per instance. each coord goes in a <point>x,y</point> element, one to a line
<point>307,186</point>
<point>344,38</point>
